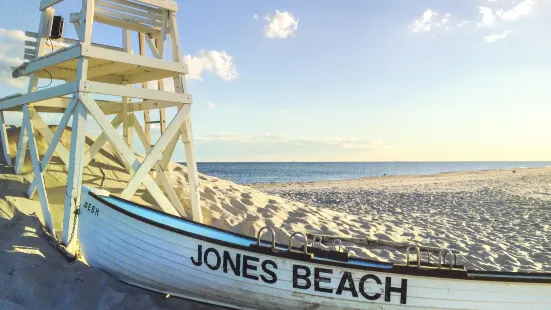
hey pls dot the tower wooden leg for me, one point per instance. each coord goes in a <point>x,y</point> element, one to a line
<point>74,181</point>
<point>46,215</point>
<point>4,138</point>
<point>21,148</point>
<point>193,177</point>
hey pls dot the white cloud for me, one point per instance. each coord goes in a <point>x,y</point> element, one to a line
<point>281,25</point>
<point>11,53</point>
<point>494,37</point>
<point>462,23</point>
<point>210,105</point>
<point>489,17</point>
<point>356,144</point>
<point>255,16</point>
<point>519,10</point>
<point>218,62</point>
<point>429,21</point>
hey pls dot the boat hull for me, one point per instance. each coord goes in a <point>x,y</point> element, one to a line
<point>166,260</point>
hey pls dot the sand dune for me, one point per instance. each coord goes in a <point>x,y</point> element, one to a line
<point>500,220</point>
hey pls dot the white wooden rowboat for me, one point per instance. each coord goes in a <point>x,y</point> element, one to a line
<point>160,252</point>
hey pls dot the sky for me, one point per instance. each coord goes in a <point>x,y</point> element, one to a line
<point>354,80</point>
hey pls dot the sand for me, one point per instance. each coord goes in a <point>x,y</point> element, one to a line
<point>499,220</point>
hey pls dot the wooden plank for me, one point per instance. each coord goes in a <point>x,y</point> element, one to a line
<point>148,62</point>
<point>104,11</point>
<point>119,90</point>
<point>151,158</point>
<point>48,135</point>
<point>21,149</point>
<point>135,5</point>
<point>56,91</point>
<point>127,126</point>
<point>146,116</point>
<point>48,61</point>
<point>86,22</point>
<point>74,178</point>
<point>31,34</point>
<point>161,41</point>
<point>161,174</point>
<point>193,178</point>
<point>4,138</point>
<point>117,141</point>
<point>109,68</point>
<point>53,146</point>
<point>46,17</point>
<point>44,4</point>
<point>163,4</point>
<point>152,47</point>
<point>46,214</point>
<point>100,142</point>
<point>127,13</point>
<point>124,24</point>
<point>180,86</point>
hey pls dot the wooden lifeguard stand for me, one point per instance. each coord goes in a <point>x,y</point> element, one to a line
<point>89,70</point>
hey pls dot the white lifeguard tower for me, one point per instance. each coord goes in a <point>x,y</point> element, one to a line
<point>89,70</point>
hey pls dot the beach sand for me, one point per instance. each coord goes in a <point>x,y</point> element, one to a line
<point>499,220</point>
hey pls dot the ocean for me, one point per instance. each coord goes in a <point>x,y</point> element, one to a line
<point>247,173</point>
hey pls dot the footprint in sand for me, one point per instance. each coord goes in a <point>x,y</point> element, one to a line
<point>238,205</point>
<point>247,202</point>
<point>246,195</point>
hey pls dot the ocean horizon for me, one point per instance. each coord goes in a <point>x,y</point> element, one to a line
<point>275,172</point>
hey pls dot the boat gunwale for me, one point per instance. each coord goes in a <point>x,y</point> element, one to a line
<point>473,275</point>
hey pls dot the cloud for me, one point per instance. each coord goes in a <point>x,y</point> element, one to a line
<point>429,21</point>
<point>351,144</point>
<point>281,25</point>
<point>255,16</point>
<point>11,50</point>
<point>489,17</point>
<point>494,37</point>
<point>218,62</point>
<point>462,23</point>
<point>210,105</point>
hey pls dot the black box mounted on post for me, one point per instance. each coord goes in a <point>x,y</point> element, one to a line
<point>57,28</point>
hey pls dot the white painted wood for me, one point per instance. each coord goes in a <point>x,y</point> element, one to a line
<point>54,145</point>
<point>44,4</point>
<point>163,4</point>
<point>161,174</point>
<point>108,12</point>
<point>121,23</point>
<point>4,138</point>
<point>109,68</point>
<point>21,149</point>
<point>101,140</point>
<point>161,41</point>
<point>193,177</point>
<point>46,17</point>
<point>128,8</point>
<point>127,126</point>
<point>51,59</point>
<point>86,22</point>
<point>138,6</point>
<point>41,95</point>
<point>152,47</point>
<point>119,90</point>
<point>159,259</point>
<point>117,142</point>
<point>46,214</point>
<point>180,86</point>
<point>143,61</point>
<point>74,178</point>
<point>48,135</point>
<point>151,158</point>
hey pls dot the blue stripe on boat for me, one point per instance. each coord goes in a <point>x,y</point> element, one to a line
<point>208,232</point>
